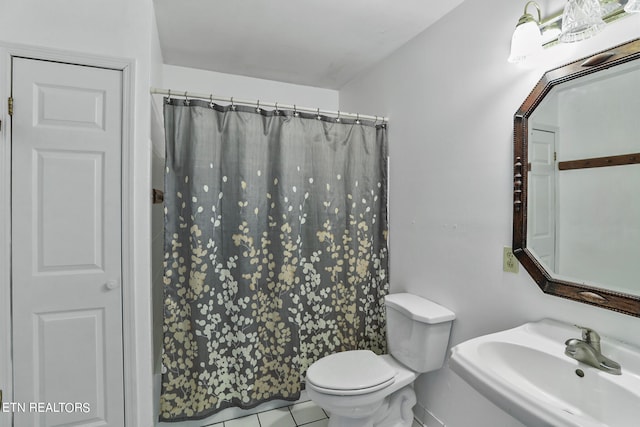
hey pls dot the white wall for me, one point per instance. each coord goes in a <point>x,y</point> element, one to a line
<point>122,29</point>
<point>451,96</point>
<point>241,87</point>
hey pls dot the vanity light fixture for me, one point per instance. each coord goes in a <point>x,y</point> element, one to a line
<point>581,19</point>
<point>527,38</point>
<point>632,6</point>
<point>609,6</point>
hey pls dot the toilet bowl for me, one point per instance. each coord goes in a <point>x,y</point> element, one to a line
<point>361,389</point>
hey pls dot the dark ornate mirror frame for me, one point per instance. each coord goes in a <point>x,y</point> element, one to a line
<point>623,303</point>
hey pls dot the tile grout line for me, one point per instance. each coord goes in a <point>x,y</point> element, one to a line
<point>326,417</point>
<point>291,413</point>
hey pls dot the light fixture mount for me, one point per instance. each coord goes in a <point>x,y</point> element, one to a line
<point>527,17</point>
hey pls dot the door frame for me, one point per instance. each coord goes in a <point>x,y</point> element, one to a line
<point>130,351</point>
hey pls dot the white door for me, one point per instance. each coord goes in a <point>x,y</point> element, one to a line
<point>66,245</point>
<point>541,233</point>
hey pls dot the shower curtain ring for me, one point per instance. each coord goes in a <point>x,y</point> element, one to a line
<point>338,118</point>
<point>233,107</point>
<point>295,111</point>
<point>276,110</point>
<point>318,116</point>
<point>211,100</point>
<point>358,118</point>
<point>258,107</point>
<point>186,99</point>
<point>169,97</point>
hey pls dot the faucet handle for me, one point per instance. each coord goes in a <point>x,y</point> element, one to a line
<point>590,336</point>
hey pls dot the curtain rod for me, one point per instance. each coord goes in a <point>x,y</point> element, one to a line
<point>258,103</point>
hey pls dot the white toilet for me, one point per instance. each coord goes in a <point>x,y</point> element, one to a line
<point>361,389</point>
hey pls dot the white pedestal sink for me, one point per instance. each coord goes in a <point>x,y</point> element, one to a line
<point>525,372</point>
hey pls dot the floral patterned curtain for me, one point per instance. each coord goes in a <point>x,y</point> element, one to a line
<point>275,251</point>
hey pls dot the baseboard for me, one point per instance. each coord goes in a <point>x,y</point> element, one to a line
<point>425,417</point>
<point>432,420</point>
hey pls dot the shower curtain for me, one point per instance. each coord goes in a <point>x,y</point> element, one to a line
<point>275,251</point>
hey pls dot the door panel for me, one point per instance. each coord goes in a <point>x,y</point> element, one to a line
<point>85,106</point>
<point>79,217</point>
<point>61,336</point>
<point>66,243</point>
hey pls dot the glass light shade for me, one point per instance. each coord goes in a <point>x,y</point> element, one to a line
<point>581,19</point>
<point>632,6</point>
<point>609,6</point>
<point>526,41</point>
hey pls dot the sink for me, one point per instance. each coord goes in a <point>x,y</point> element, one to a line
<point>525,372</point>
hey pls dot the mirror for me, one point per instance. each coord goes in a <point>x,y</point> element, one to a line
<point>576,212</point>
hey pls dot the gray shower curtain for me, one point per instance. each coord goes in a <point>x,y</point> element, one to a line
<point>275,251</point>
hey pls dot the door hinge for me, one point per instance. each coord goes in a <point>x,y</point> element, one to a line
<point>10,106</point>
<point>555,156</point>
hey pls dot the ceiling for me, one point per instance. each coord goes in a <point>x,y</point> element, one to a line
<point>316,43</point>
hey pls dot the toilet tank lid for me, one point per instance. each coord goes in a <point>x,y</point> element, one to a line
<point>419,309</point>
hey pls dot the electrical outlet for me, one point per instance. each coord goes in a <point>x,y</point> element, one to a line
<point>509,262</point>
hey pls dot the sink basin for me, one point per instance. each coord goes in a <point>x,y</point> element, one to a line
<point>525,372</point>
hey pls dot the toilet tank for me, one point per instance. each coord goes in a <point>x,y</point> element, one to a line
<point>417,331</point>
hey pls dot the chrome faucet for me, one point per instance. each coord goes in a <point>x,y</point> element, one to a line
<point>587,350</point>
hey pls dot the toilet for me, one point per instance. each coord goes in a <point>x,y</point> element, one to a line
<point>361,389</point>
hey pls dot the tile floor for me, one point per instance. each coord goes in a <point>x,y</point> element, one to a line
<point>305,414</point>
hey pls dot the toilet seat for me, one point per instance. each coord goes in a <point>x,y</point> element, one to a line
<point>351,392</point>
<point>350,373</point>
